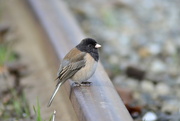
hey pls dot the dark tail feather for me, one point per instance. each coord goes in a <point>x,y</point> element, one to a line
<point>55,91</point>
<point>56,78</point>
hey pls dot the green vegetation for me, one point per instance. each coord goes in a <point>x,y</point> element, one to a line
<point>6,55</point>
<point>37,111</point>
<point>14,105</point>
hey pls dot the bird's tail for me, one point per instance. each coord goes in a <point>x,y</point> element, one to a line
<point>55,91</point>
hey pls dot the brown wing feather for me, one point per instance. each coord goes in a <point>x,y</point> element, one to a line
<point>69,70</point>
<point>71,63</point>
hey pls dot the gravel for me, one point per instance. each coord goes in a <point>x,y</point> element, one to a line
<point>140,33</point>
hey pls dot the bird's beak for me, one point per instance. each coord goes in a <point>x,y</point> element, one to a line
<point>97,46</point>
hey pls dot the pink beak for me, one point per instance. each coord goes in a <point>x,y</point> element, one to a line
<point>97,46</point>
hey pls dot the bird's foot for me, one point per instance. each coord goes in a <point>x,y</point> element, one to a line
<point>86,83</point>
<point>76,84</point>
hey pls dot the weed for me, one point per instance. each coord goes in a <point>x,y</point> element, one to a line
<point>6,55</point>
<point>37,111</point>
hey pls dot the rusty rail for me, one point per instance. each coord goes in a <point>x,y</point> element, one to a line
<point>99,102</point>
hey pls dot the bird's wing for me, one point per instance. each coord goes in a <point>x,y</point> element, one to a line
<point>72,57</point>
<point>71,65</point>
<point>67,69</point>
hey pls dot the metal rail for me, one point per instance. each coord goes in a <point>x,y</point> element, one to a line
<point>100,101</point>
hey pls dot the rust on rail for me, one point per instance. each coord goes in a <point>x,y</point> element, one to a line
<point>100,101</point>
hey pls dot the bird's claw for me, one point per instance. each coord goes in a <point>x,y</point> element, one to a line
<point>86,83</point>
<point>76,84</point>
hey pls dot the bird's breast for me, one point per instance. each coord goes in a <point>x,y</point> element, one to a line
<point>87,71</point>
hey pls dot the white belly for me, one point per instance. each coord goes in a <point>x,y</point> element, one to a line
<point>86,72</point>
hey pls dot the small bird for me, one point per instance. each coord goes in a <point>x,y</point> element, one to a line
<point>78,65</point>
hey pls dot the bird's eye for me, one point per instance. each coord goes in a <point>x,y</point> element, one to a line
<point>89,45</point>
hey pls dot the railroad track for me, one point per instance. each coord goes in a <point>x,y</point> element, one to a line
<point>99,102</point>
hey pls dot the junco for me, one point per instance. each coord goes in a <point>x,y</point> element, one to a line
<point>78,65</point>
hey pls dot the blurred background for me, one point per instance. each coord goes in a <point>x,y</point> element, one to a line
<point>141,45</point>
<point>140,51</point>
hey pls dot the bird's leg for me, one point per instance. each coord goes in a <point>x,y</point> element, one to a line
<point>86,83</point>
<point>76,84</point>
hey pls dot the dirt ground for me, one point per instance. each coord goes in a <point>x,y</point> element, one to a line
<point>42,65</point>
